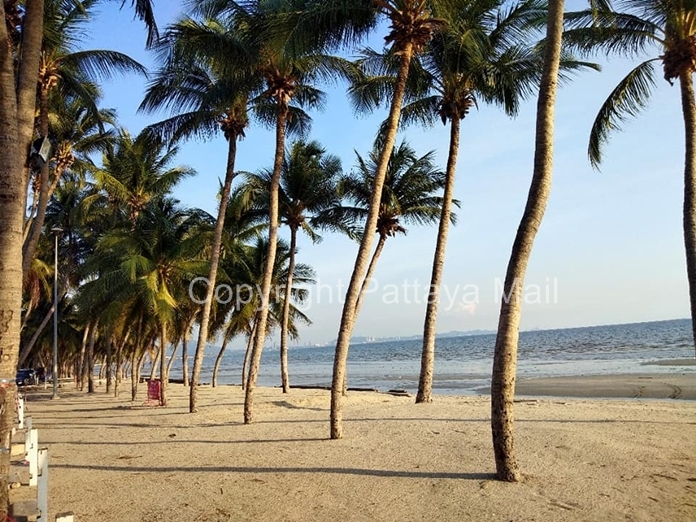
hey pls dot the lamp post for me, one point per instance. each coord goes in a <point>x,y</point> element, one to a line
<point>56,232</point>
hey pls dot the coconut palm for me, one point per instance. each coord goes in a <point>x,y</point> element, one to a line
<point>412,27</point>
<point>307,193</point>
<point>152,264</point>
<point>193,83</point>
<point>19,69</point>
<point>410,196</point>
<point>70,72</point>
<point>136,172</point>
<point>505,353</point>
<point>247,273</point>
<point>665,30</point>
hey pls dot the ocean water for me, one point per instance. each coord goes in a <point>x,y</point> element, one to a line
<point>463,364</point>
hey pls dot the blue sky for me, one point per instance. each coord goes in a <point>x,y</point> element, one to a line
<point>612,240</point>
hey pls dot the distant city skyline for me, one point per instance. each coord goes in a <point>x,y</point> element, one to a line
<point>612,239</point>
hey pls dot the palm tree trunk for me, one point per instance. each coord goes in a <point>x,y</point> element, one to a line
<point>184,352</point>
<point>164,378</point>
<point>26,350</point>
<point>285,379</point>
<point>268,269</point>
<point>170,363</point>
<point>425,381</point>
<point>137,366</point>
<point>370,273</point>
<point>17,110</point>
<point>81,359</point>
<point>352,294</point>
<point>119,361</point>
<point>107,359</point>
<point>89,368</point>
<point>29,248</point>
<point>155,363</point>
<point>247,356</point>
<point>686,83</point>
<point>212,275</point>
<point>505,355</point>
<point>218,360</point>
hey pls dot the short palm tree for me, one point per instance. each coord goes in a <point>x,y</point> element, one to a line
<point>411,195</point>
<point>666,29</point>
<point>307,194</point>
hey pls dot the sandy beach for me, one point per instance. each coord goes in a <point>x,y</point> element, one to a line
<point>582,459</point>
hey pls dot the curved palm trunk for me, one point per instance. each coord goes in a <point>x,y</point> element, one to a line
<point>89,367</point>
<point>370,272</point>
<point>137,367</point>
<point>425,380</point>
<point>164,377</point>
<point>247,356</point>
<point>107,360</point>
<point>505,356</point>
<point>268,269</point>
<point>218,360</point>
<point>212,274</point>
<point>81,359</point>
<point>352,294</point>
<point>26,350</point>
<point>184,352</point>
<point>285,379</point>
<point>155,364</point>
<point>29,247</point>
<point>119,362</point>
<point>686,83</point>
<point>170,363</point>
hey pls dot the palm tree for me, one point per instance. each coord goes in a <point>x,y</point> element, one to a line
<point>306,194</point>
<point>505,354</point>
<point>135,173</point>
<point>68,72</point>
<point>194,83</point>
<point>19,69</point>
<point>666,29</point>
<point>152,264</point>
<point>409,196</point>
<point>480,56</point>
<point>412,27</point>
<point>247,273</point>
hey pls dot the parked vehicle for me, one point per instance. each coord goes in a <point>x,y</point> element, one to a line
<point>26,376</point>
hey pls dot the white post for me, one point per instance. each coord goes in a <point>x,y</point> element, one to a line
<point>20,412</point>
<point>31,447</point>
<point>28,423</point>
<point>42,492</point>
<point>65,517</point>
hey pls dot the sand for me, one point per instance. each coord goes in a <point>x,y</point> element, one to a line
<point>627,460</point>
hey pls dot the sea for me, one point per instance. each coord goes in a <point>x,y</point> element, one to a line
<point>463,364</point>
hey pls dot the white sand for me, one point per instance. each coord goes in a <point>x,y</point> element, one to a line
<point>594,460</point>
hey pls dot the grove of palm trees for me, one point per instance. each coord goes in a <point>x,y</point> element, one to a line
<point>282,146</point>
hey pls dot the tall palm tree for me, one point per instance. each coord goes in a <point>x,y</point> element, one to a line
<point>306,194</point>
<point>412,27</point>
<point>410,195</point>
<point>195,84</point>
<point>665,29</point>
<point>68,71</point>
<point>484,54</point>
<point>19,69</point>
<point>505,354</point>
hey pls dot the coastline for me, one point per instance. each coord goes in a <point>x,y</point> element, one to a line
<point>585,459</point>
<point>627,386</point>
